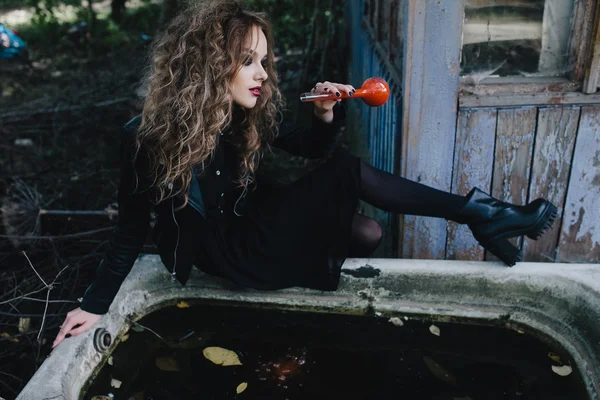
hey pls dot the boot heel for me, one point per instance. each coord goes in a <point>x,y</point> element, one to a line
<point>507,252</point>
<point>545,222</point>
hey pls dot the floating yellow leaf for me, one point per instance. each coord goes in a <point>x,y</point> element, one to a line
<point>554,357</point>
<point>183,304</point>
<point>396,321</point>
<point>110,361</point>
<point>115,383</point>
<point>221,356</point>
<point>24,324</point>
<point>434,330</point>
<point>440,372</point>
<point>167,364</point>
<point>124,338</point>
<point>9,337</point>
<point>241,387</point>
<point>563,370</point>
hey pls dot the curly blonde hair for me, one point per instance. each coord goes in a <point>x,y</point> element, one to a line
<point>189,97</point>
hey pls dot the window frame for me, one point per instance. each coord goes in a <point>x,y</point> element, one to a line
<point>576,88</point>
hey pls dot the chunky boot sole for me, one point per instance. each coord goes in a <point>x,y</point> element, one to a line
<point>507,252</point>
<point>544,223</point>
<point>547,215</point>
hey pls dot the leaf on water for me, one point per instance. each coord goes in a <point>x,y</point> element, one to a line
<point>562,370</point>
<point>137,328</point>
<point>440,372</point>
<point>221,356</point>
<point>554,357</point>
<point>241,387</point>
<point>115,383</point>
<point>110,361</point>
<point>183,304</point>
<point>24,324</point>
<point>167,364</point>
<point>434,330</point>
<point>124,338</point>
<point>9,337</point>
<point>396,321</point>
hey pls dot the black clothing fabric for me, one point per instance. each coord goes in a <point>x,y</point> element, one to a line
<point>394,193</point>
<point>273,237</point>
<point>295,235</point>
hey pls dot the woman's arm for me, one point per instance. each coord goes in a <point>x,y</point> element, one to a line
<point>314,142</point>
<point>129,234</point>
<point>328,117</point>
<point>125,244</point>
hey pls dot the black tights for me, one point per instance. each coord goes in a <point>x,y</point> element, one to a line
<point>393,193</point>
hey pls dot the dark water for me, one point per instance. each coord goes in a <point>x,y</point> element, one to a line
<point>291,355</point>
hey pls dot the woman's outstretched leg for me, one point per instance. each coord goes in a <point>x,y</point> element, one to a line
<point>403,196</point>
<point>492,221</point>
<point>366,236</point>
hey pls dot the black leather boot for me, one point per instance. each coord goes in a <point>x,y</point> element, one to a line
<point>493,222</point>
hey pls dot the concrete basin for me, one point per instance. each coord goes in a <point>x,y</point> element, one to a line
<point>559,302</point>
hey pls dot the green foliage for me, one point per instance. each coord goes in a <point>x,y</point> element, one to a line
<point>43,31</point>
<point>47,31</point>
<point>144,19</point>
<point>290,19</point>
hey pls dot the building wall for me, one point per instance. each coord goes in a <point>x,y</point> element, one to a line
<point>517,153</point>
<point>373,132</point>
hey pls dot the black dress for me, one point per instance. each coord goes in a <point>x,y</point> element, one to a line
<point>275,236</point>
<point>287,235</point>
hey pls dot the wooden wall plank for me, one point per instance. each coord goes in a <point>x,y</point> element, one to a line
<point>580,232</point>
<point>514,144</point>
<point>431,72</point>
<point>553,150</point>
<point>592,72</point>
<point>473,165</point>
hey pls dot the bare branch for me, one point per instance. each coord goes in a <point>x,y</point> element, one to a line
<point>59,237</point>
<point>31,265</point>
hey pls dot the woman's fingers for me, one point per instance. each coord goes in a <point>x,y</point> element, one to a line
<point>331,87</point>
<point>64,330</point>
<point>325,106</point>
<point>84,327</point>
<point>77,321</point>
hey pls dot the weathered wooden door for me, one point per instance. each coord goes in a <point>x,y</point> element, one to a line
<point>492,97</point>
<point>498,94</point>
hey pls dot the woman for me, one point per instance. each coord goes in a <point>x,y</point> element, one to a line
<point>212,111</point>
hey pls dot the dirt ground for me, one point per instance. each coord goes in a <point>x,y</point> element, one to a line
<point>59,123</point>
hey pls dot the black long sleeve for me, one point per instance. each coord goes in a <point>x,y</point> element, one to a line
<point>314,142</point>
<point>128,236</point>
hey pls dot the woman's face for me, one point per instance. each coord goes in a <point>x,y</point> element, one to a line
<point>246,85</point>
